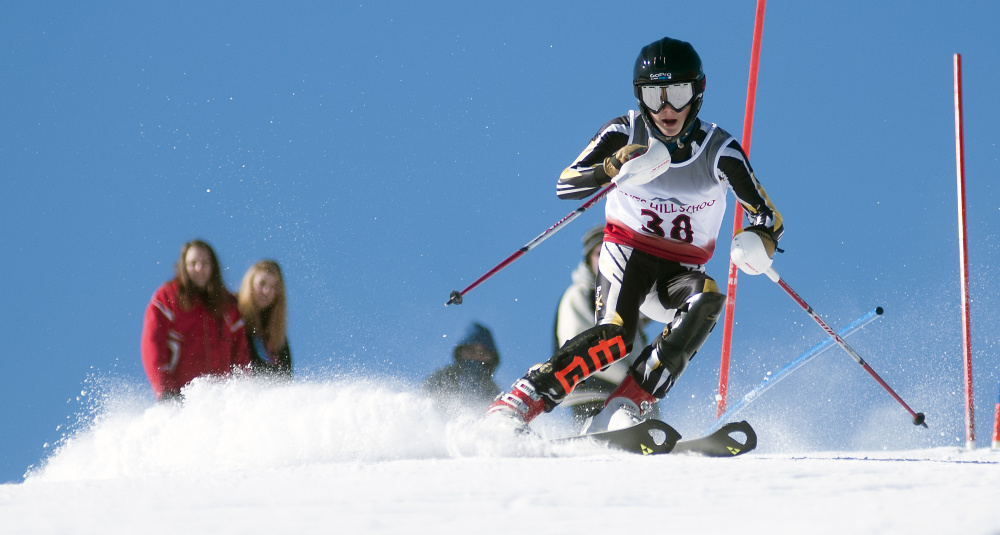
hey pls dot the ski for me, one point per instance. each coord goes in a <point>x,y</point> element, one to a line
<point>723,443</point>
<point>653,437</point>
<point>647,437</point>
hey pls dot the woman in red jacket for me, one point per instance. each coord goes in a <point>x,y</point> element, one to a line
<point>192,325</point>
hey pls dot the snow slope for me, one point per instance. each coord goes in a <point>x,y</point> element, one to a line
<point>348,456</point>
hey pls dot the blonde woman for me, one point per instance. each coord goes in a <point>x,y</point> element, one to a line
<point>265,311</point>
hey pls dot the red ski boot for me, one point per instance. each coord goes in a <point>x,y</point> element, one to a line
<point>625,407</point>
<point>522,403</point>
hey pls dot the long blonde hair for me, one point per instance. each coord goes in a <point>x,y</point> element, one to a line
<point>274,332</point>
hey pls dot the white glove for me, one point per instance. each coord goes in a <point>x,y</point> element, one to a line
<point>750,254</point>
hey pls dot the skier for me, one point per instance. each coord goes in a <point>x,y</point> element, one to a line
<point>658,237</point>
<point>577,313</point>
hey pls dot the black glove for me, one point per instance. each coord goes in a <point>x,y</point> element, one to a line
<point>613,164</point>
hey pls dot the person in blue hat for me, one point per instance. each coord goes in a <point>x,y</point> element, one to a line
<point>467,383</point>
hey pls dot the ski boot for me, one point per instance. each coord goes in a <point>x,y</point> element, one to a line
<point>518,407</point>
<point>628,405</point>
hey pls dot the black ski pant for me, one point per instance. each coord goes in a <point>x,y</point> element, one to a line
<point>681,295</point>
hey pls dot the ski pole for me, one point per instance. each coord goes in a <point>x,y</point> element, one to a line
<point>918,417</point>
<point>654,162</point>
<point>772,380</point>
<point>456,296</point>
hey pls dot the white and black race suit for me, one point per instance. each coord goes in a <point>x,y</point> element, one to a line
<point>668,226</point>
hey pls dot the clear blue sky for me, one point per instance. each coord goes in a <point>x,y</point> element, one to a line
<point>387,153</point>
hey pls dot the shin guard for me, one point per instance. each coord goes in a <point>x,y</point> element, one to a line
<point>590,351</point>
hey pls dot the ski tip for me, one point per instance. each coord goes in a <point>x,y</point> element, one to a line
<point>733,432</point>
<point>732,439</point>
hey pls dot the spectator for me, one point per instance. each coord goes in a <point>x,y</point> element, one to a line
<point>468,381</point>
<point>192,326</point>
<point>265,311</point>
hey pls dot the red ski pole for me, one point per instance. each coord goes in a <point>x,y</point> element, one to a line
<point>456,296</point>
<point>654,162</point>
<point>918,417</point>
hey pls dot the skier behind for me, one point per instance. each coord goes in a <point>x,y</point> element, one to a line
<point>658,237</point>
<point>577,313</point>
<point>467,383</point>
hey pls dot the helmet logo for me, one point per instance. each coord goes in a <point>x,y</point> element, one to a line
<point>660,76</point>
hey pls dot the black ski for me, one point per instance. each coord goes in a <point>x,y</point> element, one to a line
<point>723,443</point>
<point>647,437</point>
<point>653,437</point>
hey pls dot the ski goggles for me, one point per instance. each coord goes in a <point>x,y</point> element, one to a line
<point>655,97</point>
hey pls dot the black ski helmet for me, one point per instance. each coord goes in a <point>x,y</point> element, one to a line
<point>669,61</point>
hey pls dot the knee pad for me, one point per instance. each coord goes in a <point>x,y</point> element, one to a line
<point>659,365</point>
<point>590,351</point>
<point>688,332</point>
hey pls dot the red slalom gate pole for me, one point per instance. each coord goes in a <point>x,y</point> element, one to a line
<point>963,254</point>
<point>727,326</point>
